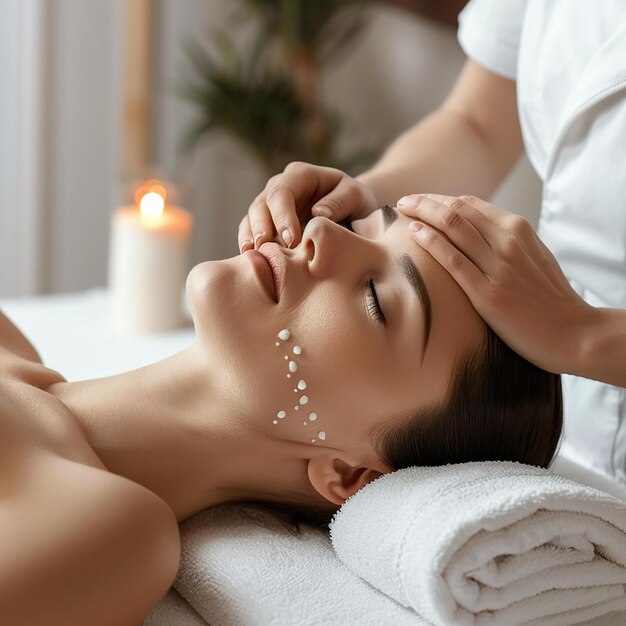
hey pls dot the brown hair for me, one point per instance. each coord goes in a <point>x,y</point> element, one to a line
<point>500,407</point>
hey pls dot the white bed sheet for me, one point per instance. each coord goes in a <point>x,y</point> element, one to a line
<point>74,334</point>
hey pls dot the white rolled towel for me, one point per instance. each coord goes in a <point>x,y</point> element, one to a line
<point>493,543</point>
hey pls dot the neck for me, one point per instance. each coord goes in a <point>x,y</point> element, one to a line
<point>171,427</point>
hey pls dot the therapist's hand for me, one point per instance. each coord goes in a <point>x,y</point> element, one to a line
<point>511,278</point>
<point>290,199</point>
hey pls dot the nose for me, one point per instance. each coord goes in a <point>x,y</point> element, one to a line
<point>330,248</point>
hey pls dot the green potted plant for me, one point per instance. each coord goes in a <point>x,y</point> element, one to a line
<point>267,95</point>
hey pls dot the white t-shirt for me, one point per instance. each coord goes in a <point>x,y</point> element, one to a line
<point>569,61</point>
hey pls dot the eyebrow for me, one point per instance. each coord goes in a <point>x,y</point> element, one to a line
<point>413,276</point>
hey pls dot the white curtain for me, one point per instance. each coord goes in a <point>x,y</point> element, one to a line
<point>22,47</point>
<point>60,69</point>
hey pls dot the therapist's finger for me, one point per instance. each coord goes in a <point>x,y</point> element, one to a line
<point>494,213</point>
<point>482,222</point>
<point>281,204</point>
<point>513,223</point>
<point>465,226</point>
<point>261,222</point>
<point>245,237</point>
<point>463,270</point>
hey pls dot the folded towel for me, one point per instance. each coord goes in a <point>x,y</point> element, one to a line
<point>487,543</point>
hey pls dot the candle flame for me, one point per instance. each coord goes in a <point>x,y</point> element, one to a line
<point>151,199</point>
<point>151,204</point>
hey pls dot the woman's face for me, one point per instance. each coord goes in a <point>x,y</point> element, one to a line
<point>359,366</point>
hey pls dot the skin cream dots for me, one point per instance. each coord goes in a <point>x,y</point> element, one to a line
<point>292,365</point>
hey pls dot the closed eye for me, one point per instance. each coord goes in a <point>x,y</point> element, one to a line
<point>373,304</point>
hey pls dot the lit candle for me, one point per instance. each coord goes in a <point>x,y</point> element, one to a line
<point>148,262</point>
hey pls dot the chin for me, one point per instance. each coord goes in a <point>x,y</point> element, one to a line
<point>221,298</point>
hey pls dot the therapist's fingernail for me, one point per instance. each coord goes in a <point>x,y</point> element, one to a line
<point>246,245</point>
<point>415,226</point>
<point>256,239</point>
<point>287,238</point>
<point>413,198</point>
<point>324,211</point>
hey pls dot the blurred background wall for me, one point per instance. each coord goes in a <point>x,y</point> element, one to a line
<point>61,128</point>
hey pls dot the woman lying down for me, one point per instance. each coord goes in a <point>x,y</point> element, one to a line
<point>368,358</point>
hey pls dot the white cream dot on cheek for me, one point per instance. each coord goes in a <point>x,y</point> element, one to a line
<point>312,440</point>
<point>322,435</point>
<point>284,334</point>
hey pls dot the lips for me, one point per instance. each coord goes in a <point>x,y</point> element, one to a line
<point>276,260</point>
<point>263,271</point>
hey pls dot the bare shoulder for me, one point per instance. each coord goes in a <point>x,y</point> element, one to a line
<point>33,419</point>
<point>103,536</point>
<point>13,340</point>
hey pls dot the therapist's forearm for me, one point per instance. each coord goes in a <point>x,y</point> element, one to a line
<point>442,154</point>
<point>602,349</point>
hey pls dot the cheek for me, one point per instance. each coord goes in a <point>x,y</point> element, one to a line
<point>327,368</point>
<point>299,407</point>
<point>320,393</point>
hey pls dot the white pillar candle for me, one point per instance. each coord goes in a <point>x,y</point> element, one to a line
<point>148,264</point>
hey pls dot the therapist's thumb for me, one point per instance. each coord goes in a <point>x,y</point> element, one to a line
<point>349,198</point>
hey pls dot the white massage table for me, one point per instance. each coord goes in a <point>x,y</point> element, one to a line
<point>73,335</point>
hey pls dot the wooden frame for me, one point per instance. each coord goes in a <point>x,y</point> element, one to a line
<point>137,107</point>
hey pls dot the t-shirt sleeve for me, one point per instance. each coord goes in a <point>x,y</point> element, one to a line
<point>489,33</point>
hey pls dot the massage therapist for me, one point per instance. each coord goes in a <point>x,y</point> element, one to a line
<point>550,78</point>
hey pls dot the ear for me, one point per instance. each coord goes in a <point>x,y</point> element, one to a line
<point>337,480</point>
